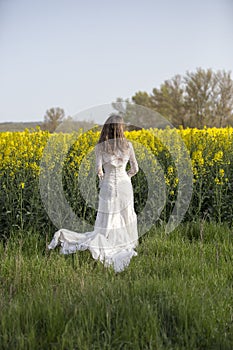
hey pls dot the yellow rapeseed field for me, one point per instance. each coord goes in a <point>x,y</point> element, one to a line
<point>210,151</point>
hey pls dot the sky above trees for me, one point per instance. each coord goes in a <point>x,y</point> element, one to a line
<point>77,54</point>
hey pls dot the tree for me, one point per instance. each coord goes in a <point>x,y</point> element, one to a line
<point>120,106</point>
<point>200,98</point>
<point>137,114</point>
<point>53,117</point>
<point>223,99</point>
<point>168,100</point>
<point>142,98</point>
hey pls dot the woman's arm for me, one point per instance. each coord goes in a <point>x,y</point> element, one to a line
<point>99,162</point>
<point>133,162</point>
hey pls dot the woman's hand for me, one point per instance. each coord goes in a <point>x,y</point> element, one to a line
<point>101,176</point>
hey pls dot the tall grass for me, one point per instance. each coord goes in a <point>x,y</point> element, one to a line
<point>176,294</point>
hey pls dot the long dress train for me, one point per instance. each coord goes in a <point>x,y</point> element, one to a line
<point>115,234</point>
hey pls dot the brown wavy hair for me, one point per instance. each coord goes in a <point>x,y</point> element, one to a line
<point>112,134</point>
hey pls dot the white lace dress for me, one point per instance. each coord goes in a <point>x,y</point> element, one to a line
<point>115,232</point>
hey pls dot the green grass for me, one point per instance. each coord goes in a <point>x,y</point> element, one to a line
<point>176,294</point>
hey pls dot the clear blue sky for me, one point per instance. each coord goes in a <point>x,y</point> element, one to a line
<point>77,54</point>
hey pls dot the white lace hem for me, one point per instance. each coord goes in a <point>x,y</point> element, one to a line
<point>70,242</point>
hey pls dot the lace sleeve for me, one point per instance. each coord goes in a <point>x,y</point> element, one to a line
<point>133,162</point>
<point>99,163</point>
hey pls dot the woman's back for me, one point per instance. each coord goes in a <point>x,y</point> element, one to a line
<point>115,232</point>
<point>115,162</point>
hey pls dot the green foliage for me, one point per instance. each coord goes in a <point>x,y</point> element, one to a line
<point>198,99</point>
<point>176,294</point>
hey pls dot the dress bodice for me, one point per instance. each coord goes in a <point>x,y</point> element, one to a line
<point>116,162</point>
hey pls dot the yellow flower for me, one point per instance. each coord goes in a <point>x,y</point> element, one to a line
<point>221,172</point>
<point>218,156</point>
<point>218,182</point>
<point>170,170</point>
<point>167,182</point>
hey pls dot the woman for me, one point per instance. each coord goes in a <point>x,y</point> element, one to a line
<point>115,232</point>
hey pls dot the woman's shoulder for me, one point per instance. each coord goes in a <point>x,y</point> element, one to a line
<point>97,148</point>
<point>127,141</point>
<point>130,145</point>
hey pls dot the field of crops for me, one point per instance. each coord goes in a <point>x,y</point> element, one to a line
<point>176,294</point>
<point>210,151</point>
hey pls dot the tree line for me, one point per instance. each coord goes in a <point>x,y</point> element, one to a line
<point>197,99</point>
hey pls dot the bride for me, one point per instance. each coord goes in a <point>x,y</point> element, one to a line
<point>115,234</point>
